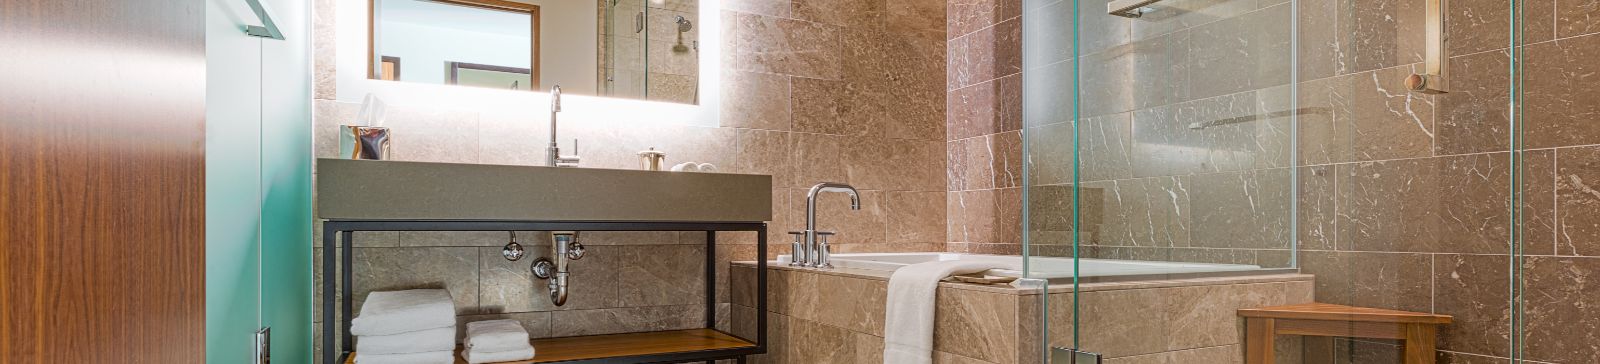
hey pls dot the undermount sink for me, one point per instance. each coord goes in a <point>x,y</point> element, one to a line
<point>388,190</point>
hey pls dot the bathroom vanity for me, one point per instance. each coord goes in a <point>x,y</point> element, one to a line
<point>357,196</point>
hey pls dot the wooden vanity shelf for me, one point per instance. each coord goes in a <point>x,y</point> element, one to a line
<point>673,346</point>
<point>631,345</point>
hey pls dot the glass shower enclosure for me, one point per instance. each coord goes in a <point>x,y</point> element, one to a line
<point>1231,140</point>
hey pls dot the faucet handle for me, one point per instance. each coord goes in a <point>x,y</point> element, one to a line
<point>823,250</point>
<point>797,249</point>
<point>570,160</point>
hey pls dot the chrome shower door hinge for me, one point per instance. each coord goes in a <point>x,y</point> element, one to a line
<point>263,346</point>
<point>1060,355</point>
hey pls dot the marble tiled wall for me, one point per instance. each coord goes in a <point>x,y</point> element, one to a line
<point>1153,187</point>
<point>813,90</point>
<point>982,127</point>
<point>1403,198</point>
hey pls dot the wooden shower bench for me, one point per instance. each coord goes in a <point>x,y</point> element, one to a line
<point>1416,330</point>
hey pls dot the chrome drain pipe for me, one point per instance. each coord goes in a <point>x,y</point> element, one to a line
<point>564,249</point>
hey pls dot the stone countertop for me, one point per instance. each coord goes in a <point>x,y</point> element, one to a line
<point>388,190</point>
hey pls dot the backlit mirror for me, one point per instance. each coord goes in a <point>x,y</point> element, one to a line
<point>637,49</point>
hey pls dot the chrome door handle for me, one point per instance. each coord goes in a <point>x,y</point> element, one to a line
<point>267,29</point>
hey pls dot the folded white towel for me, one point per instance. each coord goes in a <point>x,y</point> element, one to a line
<point>496,335</point>
<point>440,339</point>
<point>477,357</point>
<point>908,321</point>
<point>433,357</point>
<point>388,313</point>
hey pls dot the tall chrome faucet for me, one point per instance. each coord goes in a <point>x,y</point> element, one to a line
<point>552,153</point>
<point>816,254</point>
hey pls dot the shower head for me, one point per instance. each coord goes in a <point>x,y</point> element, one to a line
<point>684,25</point>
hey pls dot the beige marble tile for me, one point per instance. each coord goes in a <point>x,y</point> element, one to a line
<point>634,238</point>
<point>324,50</point>
<point>843,13</point>
<point>755,100</point>
<point>430,135</point>
<point>742,283</point>
<point>869,349</point>
<point>966,16</point>
<point>917,15</point>
<point>811,342</point>
<point>1207,316</point>
<point>979,325</point>
<point>894,164</point>
<point>816,107</point>
<point>769,153</point>
<point>1225,354</point>
<point>469,238</point>
<point>510,287</point>
<point>393,269</point>
<point>1122,322</point>
<point>511,138</point>
<point>817,158</point>
<point>916,217</point>
<point>660,275</point>
<point>631,319</point>
<point>850,303</point>
<point>786,46</point>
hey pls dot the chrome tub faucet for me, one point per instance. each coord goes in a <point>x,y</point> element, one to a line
<point>815,251</point>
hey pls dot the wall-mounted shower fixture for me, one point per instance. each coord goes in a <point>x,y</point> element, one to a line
<point>684,25</point>
<point>1435,77</point>
<point>1129,8</point>
<point>564,248</point>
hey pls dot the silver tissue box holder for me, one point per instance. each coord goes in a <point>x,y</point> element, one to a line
<point>363,142</point>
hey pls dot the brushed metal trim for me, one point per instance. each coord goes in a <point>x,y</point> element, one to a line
<point>1436,64</point>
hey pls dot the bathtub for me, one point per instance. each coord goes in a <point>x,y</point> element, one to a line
<point>1053,268</point>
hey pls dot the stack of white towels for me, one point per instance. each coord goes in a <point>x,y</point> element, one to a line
<point>406,327</point>
<point>497,341</point>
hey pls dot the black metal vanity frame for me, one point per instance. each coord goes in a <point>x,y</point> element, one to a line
<point>339,234</point>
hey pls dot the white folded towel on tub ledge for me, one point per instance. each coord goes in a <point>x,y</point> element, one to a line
<point>432,357</point>
<point>440,339</point>
<point>496,335</point>
<point>478,357</point>
<point>908,321</point>
<point>389,313</point>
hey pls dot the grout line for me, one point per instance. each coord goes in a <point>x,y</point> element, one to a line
<point>1555,206</point>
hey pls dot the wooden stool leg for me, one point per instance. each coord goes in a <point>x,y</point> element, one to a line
<point>1419,343</point>
<point>1258,340</point>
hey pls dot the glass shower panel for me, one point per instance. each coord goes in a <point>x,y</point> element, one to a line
<point>623,52</point>
<point>1160,137</point>
<point>1214,138</point>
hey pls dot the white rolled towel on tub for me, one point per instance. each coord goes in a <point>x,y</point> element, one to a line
<point>432,357</point>
<point>909,309</point>
<point>389,313</point>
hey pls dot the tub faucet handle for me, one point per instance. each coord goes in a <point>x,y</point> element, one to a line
<point>823,250</point>
<point>797,252</point>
